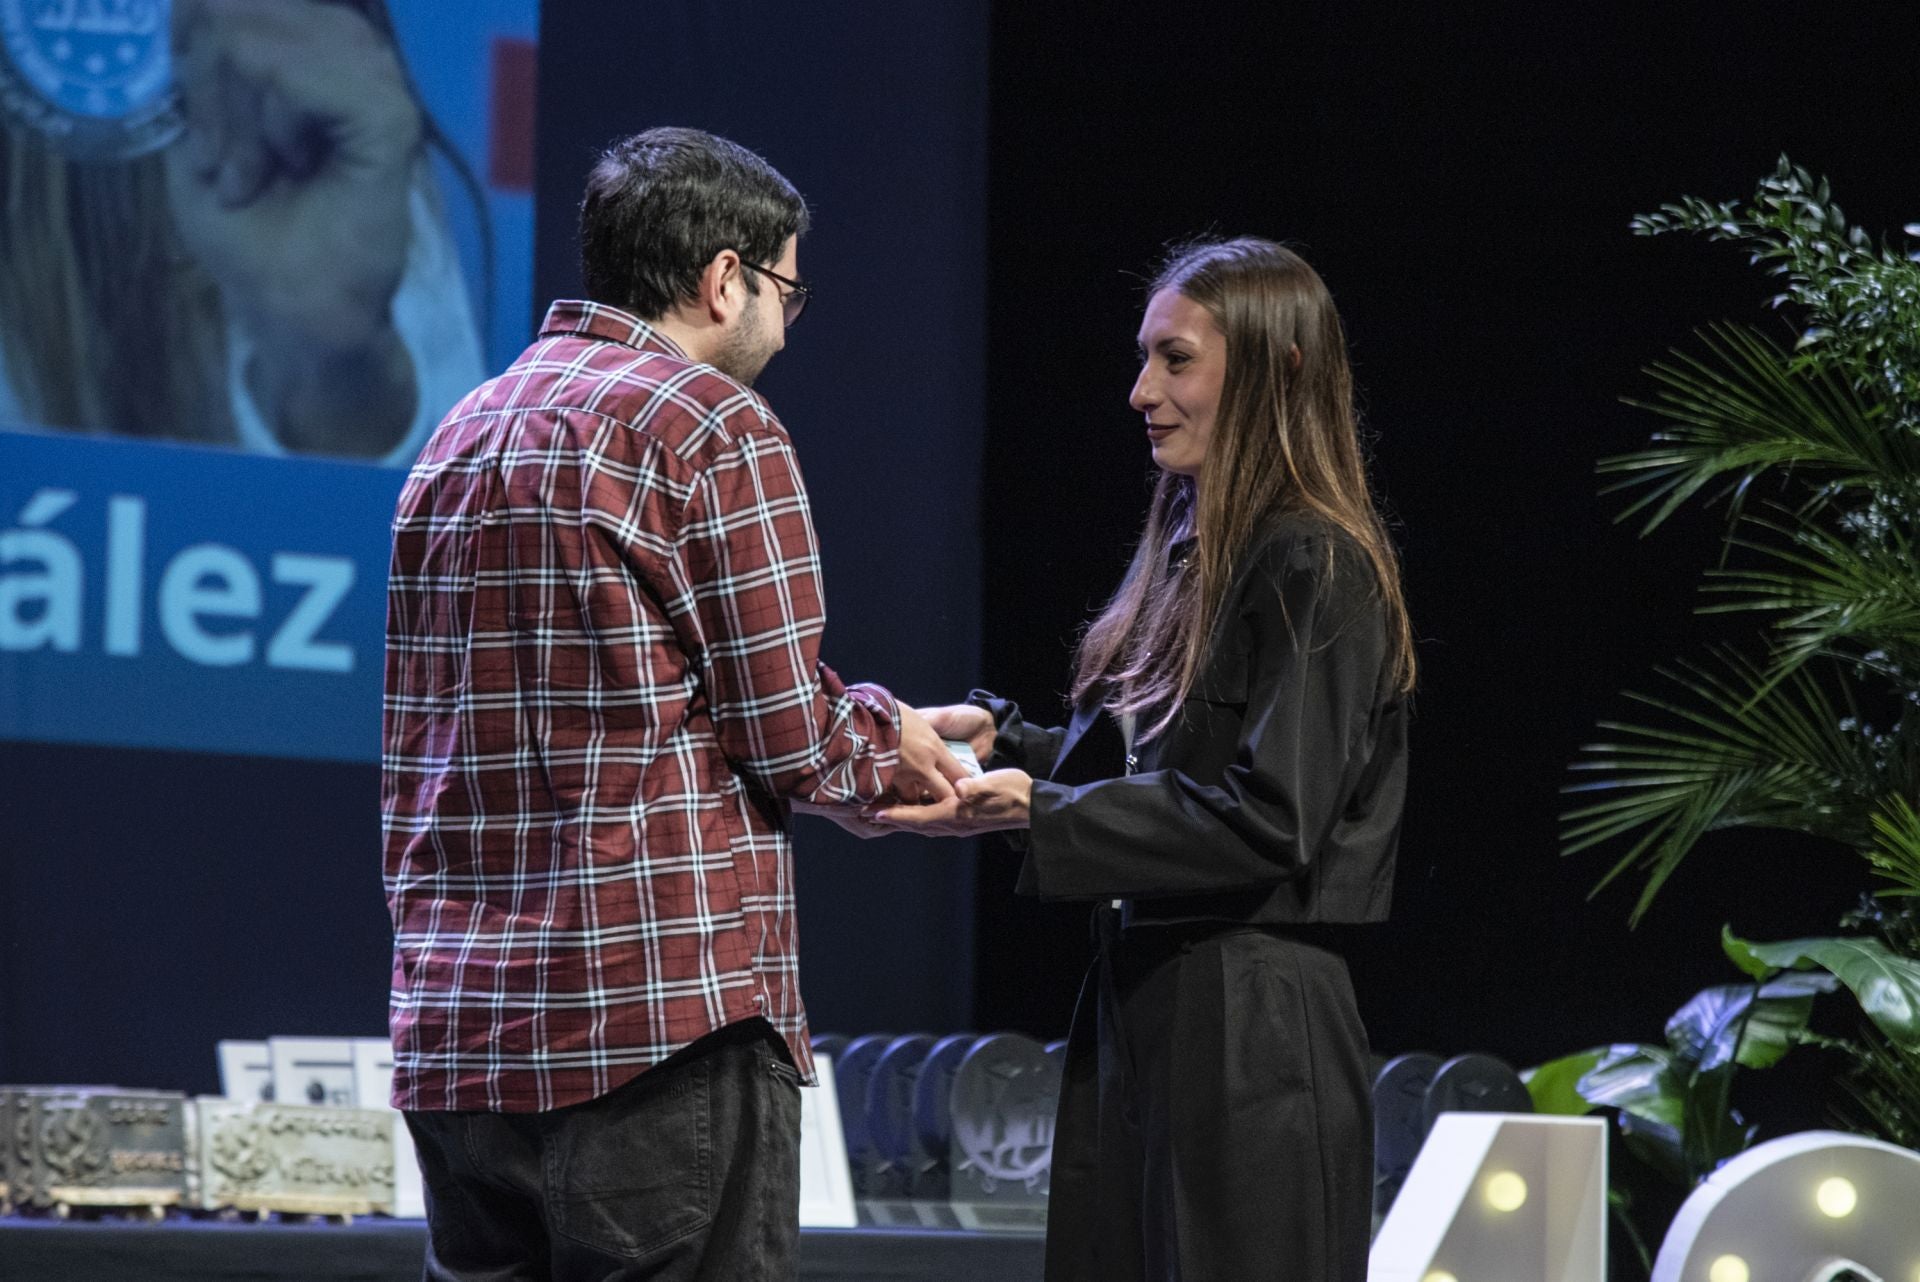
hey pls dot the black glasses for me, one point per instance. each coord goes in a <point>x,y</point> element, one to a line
<point>794,301</point>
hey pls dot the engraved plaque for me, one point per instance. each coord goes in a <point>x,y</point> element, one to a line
<point>933,1115</point>
<point>1399,1122</point>
<point>890,1115</point>
<point>1476,1084</point>
<point>20,1144</point>
<point>295,1158</point>
<point>110,1148</point>
<point>1004,1095</point>
<point>853,1069</point>
<point>6,1150</point>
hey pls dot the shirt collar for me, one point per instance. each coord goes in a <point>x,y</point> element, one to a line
<point>609,324</point>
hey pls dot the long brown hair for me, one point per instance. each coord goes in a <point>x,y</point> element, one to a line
<point>1285,441</point>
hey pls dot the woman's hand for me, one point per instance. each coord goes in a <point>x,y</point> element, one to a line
<point>994,802</point>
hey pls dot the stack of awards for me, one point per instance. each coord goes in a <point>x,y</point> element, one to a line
<point>946,1132</point>
<point>303,1130</point>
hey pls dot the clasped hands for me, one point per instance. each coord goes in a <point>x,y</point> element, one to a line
<point>932,793</point>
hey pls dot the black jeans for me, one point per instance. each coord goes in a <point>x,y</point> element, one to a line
<point>689,1172</point>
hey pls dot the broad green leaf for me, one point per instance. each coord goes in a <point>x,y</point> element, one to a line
<point>1656,1144</point>
<point>1637,1080</point>
<point>1741,954</point>
<point>1702,1033</point>
<point>1555,1085</point>
<point>1886,985</point>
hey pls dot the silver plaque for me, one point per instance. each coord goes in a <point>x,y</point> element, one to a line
<point>97,1147</point>
<point>295,1158</point>
<point>1004,1095</point>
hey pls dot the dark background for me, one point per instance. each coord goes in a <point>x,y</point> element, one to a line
<point>988,187</point>
<point>1462,176</point>
<point>878,114</point>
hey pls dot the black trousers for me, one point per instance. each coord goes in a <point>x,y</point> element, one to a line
<point>687,1173</point>
<point>1215,1120</point>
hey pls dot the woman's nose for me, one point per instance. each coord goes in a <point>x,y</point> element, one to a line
<point>1142,397</point>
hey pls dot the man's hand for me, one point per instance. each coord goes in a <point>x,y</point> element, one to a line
<point>966,722</point>
<point>927,771</point>
<point>997,800</point>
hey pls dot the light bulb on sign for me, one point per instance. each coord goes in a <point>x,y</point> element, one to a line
<point>1506,1191</point>
<point>1729,1268</point>
<point>1440,1275</point>
<point>1836,1197</point>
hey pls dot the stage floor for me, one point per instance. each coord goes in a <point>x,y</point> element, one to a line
<point>376,1250</point>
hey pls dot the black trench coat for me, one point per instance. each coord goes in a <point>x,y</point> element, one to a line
<point>1214,1119</point>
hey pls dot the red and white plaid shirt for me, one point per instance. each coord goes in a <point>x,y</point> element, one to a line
<point>603,680</point>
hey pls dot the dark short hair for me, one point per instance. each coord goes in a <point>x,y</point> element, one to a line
<point>662,203</point>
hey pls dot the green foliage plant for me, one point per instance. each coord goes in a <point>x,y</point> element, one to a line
<point>1806,437</point>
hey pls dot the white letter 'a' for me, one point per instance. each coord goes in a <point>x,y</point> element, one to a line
<point>40,606</point>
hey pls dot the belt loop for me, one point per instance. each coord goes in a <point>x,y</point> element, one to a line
<point>1106,926</point>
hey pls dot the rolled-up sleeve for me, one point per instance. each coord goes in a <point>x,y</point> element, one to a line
<point>749,555</point>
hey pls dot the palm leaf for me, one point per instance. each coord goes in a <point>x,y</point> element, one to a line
<point>1744,753</point>
<point>1746,407</point>
<point>1896,849</point>
<point>1884,1085</point>
<point>1833,595</point>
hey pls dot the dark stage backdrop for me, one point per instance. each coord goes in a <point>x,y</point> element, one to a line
<point>1463,177</point>
<point>877,113</point>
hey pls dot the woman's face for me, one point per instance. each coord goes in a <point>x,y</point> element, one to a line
<point>1183,361</point>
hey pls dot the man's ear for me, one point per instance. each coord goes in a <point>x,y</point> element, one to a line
<point>723,289</point>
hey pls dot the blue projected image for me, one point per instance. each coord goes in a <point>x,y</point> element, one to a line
<point>270,234</point>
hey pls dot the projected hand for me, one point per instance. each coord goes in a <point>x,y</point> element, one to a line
<point>997,800</point>
<point>290,184</point>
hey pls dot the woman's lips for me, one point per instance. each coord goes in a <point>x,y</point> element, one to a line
<point>1157,432</point>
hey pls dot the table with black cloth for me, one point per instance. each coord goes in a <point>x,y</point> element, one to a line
<point>377,1250</point>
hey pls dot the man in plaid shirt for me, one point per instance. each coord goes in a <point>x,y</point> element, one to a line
<point>603,694</point>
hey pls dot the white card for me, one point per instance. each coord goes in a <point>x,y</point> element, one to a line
<point>826,1179</point>
<point>964,754</point>
<point>246,1070</point>
<point>372,1072</point>
<point>373,1088</point>
<point>312,1070</point>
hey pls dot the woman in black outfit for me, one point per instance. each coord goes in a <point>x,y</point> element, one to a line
<point>1228,789</point>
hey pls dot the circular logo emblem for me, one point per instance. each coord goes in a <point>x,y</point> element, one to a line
<point>1003,1102</point>
<point>95,77</point>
